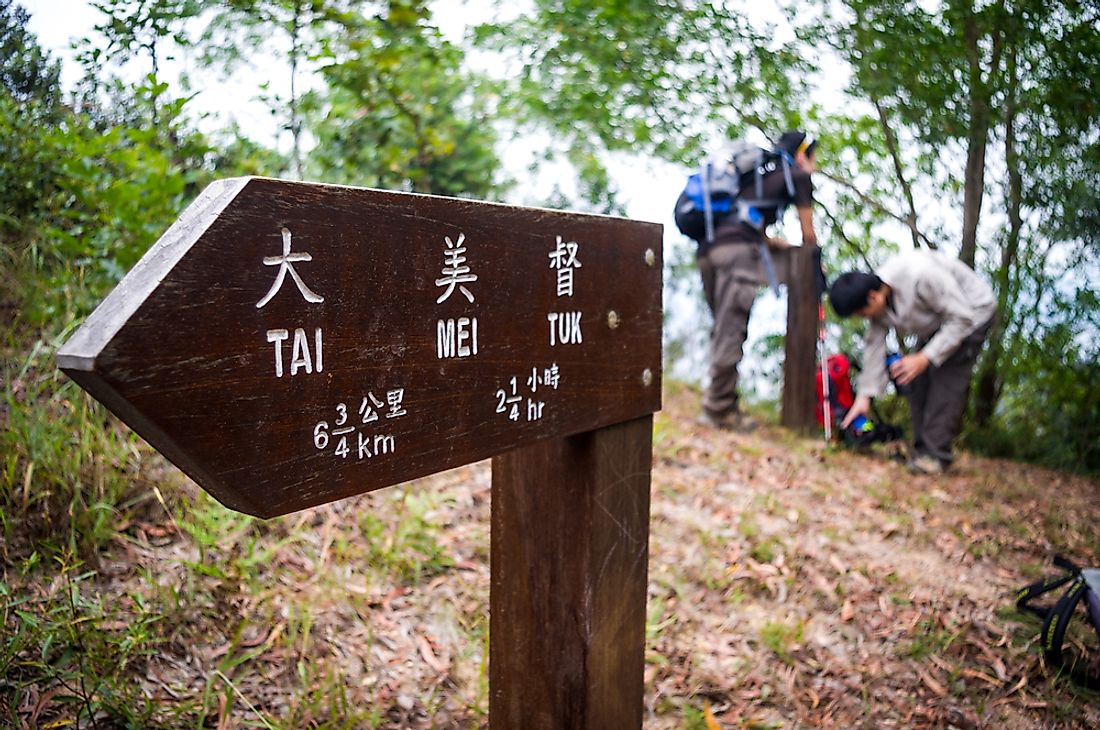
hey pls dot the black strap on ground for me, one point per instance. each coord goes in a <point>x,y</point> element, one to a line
<point>1033,590</point>
<point>1056,618</point>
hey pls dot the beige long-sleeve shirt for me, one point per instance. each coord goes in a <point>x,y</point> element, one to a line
<point>938,298</point>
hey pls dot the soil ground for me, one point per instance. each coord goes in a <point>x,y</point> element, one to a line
<point>789,586</point>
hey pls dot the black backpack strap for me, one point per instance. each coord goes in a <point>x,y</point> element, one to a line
<point>787,178</point>
<point>1030,592</point>
<point>1056,618</point>
<point>1054,626</point>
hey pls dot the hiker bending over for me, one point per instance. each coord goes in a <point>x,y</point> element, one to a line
<point>949,308</point>
<point>733,269</point>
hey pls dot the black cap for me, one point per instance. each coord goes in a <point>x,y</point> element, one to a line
<point>791,142</point>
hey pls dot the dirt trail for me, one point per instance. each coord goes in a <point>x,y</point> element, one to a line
<point>789,586</point>
<point>794,586</point>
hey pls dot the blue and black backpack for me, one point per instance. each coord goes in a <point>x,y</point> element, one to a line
<point>714,192</point>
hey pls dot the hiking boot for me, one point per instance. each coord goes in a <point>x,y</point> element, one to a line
<point>735,421</point>
<point>711,421</point>
<point>924,464</point>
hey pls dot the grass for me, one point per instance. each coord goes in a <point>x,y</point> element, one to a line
<point>130,599</point>
<point>78,491</point>
<point>72,640</point>
<point>782,638</point>
<point>930,638</point>
<point>69,470</point>
<point>409,549</point>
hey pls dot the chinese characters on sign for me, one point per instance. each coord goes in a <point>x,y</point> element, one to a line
<point>300,356</point>
<point>564,260</point>
<point>359,431</point>
<point>285,264</point>
<point>565,327</point>
<point>455,336</point>
<point>509,400</point>
<point>368,445</point>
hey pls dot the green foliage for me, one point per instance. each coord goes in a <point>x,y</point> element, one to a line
<point>116,191</point>
<point>1048,410</point>
<point>649,76</point>
<point>400,112</point>
<point>406,549</point>
<point>80,649</point>
<point>25,163</point>
<point>67,469</point>
<point>133,27</point>
<point>30,99</point>
<point>26,71</point>
<point>783,638</point>
<point>658,78</point>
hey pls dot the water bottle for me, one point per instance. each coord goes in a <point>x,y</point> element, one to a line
<point>858,430</point>
<point>891,358</point>
<point>860,424</point>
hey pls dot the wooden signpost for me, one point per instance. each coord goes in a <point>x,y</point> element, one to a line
<point>289,344</point>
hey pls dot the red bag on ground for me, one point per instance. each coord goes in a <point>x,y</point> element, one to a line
<point>841,394</point>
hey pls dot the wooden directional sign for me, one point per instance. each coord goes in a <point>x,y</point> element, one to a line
<point>288,344</point>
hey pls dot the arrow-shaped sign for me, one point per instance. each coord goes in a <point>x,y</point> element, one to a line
<point>288,344</point>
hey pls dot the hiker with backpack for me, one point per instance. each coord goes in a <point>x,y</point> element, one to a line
<point>727,209</point>
<point>950,309</point>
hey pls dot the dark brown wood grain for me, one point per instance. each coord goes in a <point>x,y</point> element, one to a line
<point>184,350</point>
<point>570,526</point>
<point>800,346</point>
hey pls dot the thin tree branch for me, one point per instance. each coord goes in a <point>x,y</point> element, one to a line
<point>912,226</point>
<point>899,170</point>
<point>838,228</point>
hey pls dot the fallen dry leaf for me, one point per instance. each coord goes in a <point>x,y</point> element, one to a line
<point>429,656</point>
<point>932,684</point>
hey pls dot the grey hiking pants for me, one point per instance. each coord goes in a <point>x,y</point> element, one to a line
<point>939,396</point>
<point>732,276</point>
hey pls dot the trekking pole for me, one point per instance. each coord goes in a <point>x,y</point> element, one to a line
<point>826,403</point>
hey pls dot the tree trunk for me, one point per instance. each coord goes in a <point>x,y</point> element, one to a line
<point>990,379</point>
<point>981,94</point>
<point>977,139</point>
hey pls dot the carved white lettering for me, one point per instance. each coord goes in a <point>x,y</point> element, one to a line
<point>286,263</point>
<point>565,328</point>
<point>277,337</point>
<point>462,332</point>
<point>379,445</point>
<point>384,444</point>
<point>300,357</point>
<point>456,338</point>
<point>444,338</point>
